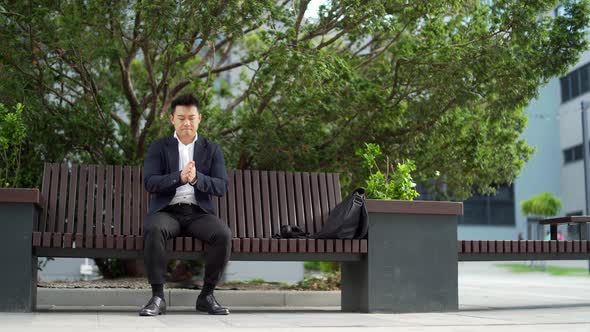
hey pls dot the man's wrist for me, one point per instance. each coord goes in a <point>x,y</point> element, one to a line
<point>194,181</point>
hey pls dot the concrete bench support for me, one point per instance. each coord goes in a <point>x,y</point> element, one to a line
<point>411,265</point>
<point>19,209</point>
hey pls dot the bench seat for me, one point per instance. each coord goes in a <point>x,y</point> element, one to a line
<point>501,250</point>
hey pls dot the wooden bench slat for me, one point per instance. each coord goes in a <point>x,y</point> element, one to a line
<point>282,207</point>
<point>127,190</point>
<point>356,246</point>
<point>79,234</point>
<point>236,245</point>
<point>246,245</point>
<point>291,202</point>
<point>63,195</point>
<point>274,245</point>
<point>275,217</point>
<point>108,204</point>
<point>307,203</point>
<point>323,198</point>
<point>110,241</point>
<point>364,246</point>
<point>42,220</point>
<point>188,243</point>
<point>179,244</point>
<point>317,209</point>
<point>265,245</point>
<point>311,245</point>
<point>483,247</point>
<point>339,245</point>
<point>231,203</point>
<point>257,202</point>
<point>52,215</point>
<point>347,245</point>
<point>321,245</point>
<point>145,201</point>
<point>139,243</point>
<point>561,246</point>
<point>100,193</point>
<point>292,246</point>
<point>89,216</point>
<point>283,245</point>
<point>337,189</point>
<point>118,196</point>
<point>256,245</point>
<point>240,215</point>
<point>467,247</point>
<point>329,246</point>
<point>299,205</point>
<point>68,240</point>
<point>302,245</point>
<point>36,239</point>
<point>249,205</point>
<point>72,193</point>
<point>577,246</point>
<point>330,189</point>
<point>136,201</point>
<point>99,241</point>
<point>266,205</point>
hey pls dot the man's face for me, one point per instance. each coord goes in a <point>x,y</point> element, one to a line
<point>186,120</point>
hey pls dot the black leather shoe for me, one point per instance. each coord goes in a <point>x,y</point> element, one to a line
<point>155,306</point>
<point>210,305</point>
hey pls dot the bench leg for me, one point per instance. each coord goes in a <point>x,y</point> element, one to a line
<point>354,286</point>
<point>411,266</point>
<point>18,280</point>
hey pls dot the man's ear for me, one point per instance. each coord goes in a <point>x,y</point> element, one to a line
<point>172,118</point>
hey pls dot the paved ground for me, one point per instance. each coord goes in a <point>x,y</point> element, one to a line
<point>491,299</point>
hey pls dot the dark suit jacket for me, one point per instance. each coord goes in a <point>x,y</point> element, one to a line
<point>161,176</point>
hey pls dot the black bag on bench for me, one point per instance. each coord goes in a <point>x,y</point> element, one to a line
<point>348,219</point>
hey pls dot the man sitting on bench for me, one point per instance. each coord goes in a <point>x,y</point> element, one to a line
<point>180,172</point>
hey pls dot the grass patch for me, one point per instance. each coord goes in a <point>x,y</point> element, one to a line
<point>553,270</point>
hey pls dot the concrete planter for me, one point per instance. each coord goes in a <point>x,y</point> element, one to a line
<point>19,212</point>
<point>411,265</point>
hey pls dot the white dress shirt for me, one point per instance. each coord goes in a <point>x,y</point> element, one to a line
<point>186,192</point>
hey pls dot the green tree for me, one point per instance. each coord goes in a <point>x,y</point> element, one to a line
<point>12,136</point>
<point>544,204</point>
<point>443,83</point>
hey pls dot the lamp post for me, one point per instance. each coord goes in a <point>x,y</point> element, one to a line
<point>585,106</point>
<point>584,230</point>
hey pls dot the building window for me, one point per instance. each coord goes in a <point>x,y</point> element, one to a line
<point>494,210</point>
<point>574,153</point>
<point>575,83</point>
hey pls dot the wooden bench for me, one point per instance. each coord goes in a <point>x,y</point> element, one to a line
<point>508,250</point>
<point>98,211</point>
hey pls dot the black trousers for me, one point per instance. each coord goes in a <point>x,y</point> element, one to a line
<point>191,221</point>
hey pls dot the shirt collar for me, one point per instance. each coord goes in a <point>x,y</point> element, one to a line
<point>191,143</point>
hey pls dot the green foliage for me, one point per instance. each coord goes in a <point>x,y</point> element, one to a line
<point>12,136</point>
<point>326,267</point>
<point>553,270</point>
<point>328,282</point>
<point>395,185</point>
<point>544,204</point>
<point>442,83</point>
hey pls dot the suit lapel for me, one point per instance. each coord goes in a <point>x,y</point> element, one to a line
<point>172,153</point>
<point>199,152</point>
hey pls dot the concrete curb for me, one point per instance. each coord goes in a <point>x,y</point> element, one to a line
<point>120,297</point>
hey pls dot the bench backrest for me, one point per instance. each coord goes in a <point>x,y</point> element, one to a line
<point>111,200</point>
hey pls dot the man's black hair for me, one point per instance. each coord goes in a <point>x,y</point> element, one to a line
<point>185,100</point>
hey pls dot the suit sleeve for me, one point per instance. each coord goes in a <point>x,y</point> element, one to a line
<point>154,179</point>
<point>216,183</point>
